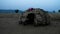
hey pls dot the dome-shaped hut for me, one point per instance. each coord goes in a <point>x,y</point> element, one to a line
<point>35,16</point>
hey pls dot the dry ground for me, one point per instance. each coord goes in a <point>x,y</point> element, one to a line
<point>9,25</point>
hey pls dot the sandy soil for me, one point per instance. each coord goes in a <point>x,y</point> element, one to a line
<point>11,26</point>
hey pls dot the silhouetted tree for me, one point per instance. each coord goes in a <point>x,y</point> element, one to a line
<point>46,11</point>
<point>16,11</point>
<point>58,10</point>
<point>53,11</point>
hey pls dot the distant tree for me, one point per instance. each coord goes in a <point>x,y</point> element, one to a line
<point>58,10</point>
<point>53,11</point>
<point>47,11</point>
<point>16,11</point>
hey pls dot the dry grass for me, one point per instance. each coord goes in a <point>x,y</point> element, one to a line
<point>55,16</point>
<point>9,15</point>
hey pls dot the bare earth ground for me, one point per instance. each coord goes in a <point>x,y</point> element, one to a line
<point>11,26</point>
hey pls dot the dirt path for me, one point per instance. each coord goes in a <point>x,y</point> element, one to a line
<point>11,26</point>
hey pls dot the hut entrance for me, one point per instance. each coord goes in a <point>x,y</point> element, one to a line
<point>30,18</point>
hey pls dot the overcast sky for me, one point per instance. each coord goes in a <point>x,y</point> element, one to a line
<point>48,5</point>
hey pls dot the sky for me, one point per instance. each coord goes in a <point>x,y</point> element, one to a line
<point>48,5</point>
